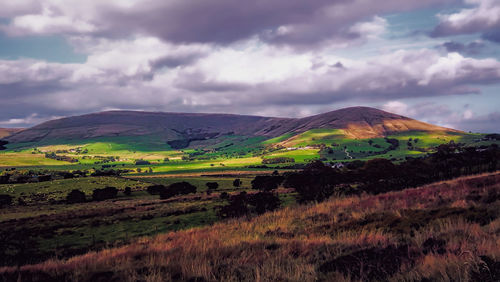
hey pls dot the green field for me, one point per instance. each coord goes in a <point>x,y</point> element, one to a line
<point>229,152</point>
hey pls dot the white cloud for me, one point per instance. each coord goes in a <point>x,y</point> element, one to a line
<point>398,107</point>
<point>372,29</point>
<point>484,18</point>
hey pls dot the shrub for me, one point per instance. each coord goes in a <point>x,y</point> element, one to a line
<point>237,207</point>
<point>178,188</point>
<point>127,191</point>
<point>155,189</point>
<point>75,196</point>
<point>237,182</point>
<point>245,204</point>
<point>4,179</point>
<point>264,201</point>
<point>266,182</point>
<point>224,196</point>
<point>104,194</point>
<point>212,185</point>
<point>5,200</point>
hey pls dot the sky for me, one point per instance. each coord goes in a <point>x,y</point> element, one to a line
<point>433,60</point>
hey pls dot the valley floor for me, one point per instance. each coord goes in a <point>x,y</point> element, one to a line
<point>446,231</point>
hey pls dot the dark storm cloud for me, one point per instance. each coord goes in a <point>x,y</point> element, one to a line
<point>472,48</point>
<point>286,22</point>
<point>289,22</point>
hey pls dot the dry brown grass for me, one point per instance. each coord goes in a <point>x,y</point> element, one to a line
<point>436,232</point>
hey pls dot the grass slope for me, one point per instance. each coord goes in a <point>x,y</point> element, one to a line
<point>52,228</point>
<point>443,231</point>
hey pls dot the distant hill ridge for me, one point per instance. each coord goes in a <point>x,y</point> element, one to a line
<point>4,132</point>
<point>357,122</point>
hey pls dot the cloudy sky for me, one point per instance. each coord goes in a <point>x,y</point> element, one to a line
<point>434,60</point>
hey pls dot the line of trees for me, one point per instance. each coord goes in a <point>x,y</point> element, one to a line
<point>174,189</point>
<point>318,181</point>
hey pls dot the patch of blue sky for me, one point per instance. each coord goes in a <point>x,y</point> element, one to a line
<point>48,48</point>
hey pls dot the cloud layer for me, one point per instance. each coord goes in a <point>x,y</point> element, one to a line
<point>290,22</point>
<point>278,58</point>
<point>483,17</point>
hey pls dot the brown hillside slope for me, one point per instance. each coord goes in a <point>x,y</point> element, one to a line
<point>365,122</point>
<point>447,231</point>
<point>4,132</point>
<point>358,122</point>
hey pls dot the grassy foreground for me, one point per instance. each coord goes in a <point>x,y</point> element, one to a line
<point>447,231</point>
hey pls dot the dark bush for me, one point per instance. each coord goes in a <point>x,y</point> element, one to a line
<point>128,191</point>
<point>4,179</point>
<point>237,182</point>
<point>178,188</point>
<point>237,207</point>
<point>43,178</point>
<point>104,194</point>
<point>5,200</point>
<point>224,195</point>
<point>244,204</point>
<point>75,196</point>
<point>316,183</point>
<point>264,201</point>
<point>266,182</point>
<point>155,189</point>
<point>212,185</point>
<point>142,162</point>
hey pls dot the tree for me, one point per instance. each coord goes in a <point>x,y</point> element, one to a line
<point>244,204</point>
<point>75,196</point>
<point>104,194</point>
<point>237,207</point>
<point>264,201</point>
<point>266,182</point>
<point>378,169</point>
<point>212,185</point>
<point>178,188</point>
<point>4,179</point>
<point>224,196</point>
<point>128,191</point>
<point>155,189</point>
<point>237,182</point>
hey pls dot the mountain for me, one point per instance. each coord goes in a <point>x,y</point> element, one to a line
<point>4,132</point>
<point>357,122</point>
<point>365,122</point>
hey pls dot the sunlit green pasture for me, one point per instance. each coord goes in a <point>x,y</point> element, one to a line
<point>299,155</point>
<point>26,159</point>
<point>312,137</point>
